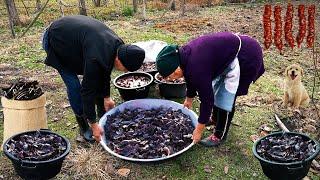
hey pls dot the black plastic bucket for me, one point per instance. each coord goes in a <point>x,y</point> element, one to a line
<point>133,93</point>
<point>153,73</point>
<point>285,171</point>
<point>37,169</point>
<point>171,90</point>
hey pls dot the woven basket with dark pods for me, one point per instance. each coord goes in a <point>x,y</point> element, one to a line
<point>23,91</point>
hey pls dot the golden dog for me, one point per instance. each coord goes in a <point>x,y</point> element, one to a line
<point>295,94</point>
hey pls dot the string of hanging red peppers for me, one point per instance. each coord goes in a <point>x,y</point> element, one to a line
<point>288,26</point>
<point>278,28</point>
<point>311,33</point>
<point>267,26</point>
<point>302,25</point>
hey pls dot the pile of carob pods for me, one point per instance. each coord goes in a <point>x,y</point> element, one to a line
<point>23,91</point>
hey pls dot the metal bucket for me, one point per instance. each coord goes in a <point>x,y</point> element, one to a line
<point>147,104</point>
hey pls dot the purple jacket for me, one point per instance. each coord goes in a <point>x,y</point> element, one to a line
<point>205,57</point>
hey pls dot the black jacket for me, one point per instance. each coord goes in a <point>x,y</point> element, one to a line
<point>87,47</point>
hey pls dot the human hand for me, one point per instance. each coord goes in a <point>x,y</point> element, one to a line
<point>97,131</point>
<point>188,103</point>
<point>197,133</point>
<point>108,103</point>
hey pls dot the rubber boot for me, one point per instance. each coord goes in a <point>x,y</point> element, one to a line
<point>84,128</point>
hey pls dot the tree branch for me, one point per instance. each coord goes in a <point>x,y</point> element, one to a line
<point>34,20</point>
<point>25,7</point>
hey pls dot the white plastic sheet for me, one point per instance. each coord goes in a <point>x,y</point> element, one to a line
<point>151,48</point>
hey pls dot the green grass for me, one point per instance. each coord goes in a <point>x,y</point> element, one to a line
<point>234,153</point>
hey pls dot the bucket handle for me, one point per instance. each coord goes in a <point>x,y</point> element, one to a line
<point>28,166</point>
<point>141,89</point>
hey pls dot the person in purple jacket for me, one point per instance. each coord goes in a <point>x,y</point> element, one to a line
<point>218,67</point>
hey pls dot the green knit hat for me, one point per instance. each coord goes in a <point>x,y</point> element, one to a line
<point>168,60</point>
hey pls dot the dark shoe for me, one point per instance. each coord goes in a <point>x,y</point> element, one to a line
<point>84,128</point>
<point>211,141</point>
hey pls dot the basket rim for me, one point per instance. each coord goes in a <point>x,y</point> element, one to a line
<point>12,157</point>
<point>169,83</point>
<point>310,158</point>
<point>128,73</point>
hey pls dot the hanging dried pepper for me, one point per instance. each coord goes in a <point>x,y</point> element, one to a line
<point>288,26</point>
<point>278,28</point>
<point>302,25</point>
<point>267,26</point>
<point>311,15</point>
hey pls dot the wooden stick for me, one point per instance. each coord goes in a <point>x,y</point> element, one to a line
<point>282,126</point>
<point>285,129</point>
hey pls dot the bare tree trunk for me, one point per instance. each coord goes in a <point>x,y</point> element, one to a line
<point>209,3</point>
<point>61,7</point>
<point>12,12</point>
<point>144,7</point>
<point>183,7</point>
<point>172,5</point>
<point>38,5</point>
<point>105,2</point>
<point>82,8</point>
<point>135,5</point>
<point>97,3</point>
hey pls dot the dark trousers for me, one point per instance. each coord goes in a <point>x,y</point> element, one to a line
<point>73,85</point>
<point>223,121</point>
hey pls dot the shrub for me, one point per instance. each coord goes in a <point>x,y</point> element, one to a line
<point>127,11</point>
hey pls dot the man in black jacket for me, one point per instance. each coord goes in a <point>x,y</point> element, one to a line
<point>80,45</point>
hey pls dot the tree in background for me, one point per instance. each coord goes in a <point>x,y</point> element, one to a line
<point>12,12</point>
<point>144,9</point>
<point>183,7</point>
<point>135,5</point>
<point>38,5</point>
<point>97,3</point>
<point>172,5</point>
<point>82,7</point>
